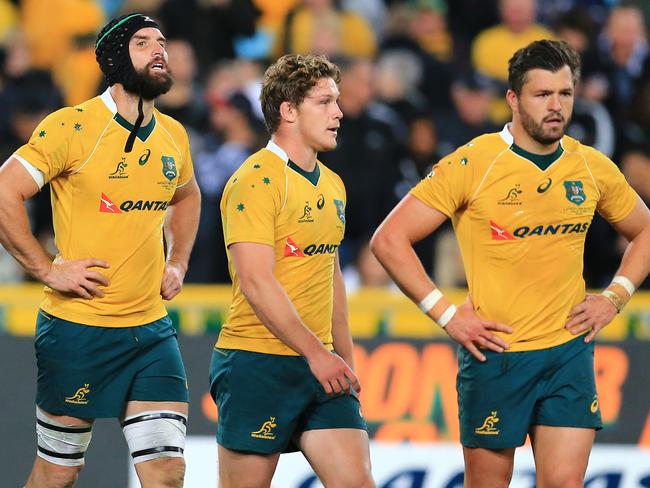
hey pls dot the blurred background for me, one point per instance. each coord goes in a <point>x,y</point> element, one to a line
<point>419,78</point>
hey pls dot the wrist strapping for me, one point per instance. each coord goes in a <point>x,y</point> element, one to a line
<point>626,283</point>
<point>428,302</point>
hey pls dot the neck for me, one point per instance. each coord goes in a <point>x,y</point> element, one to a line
<point>127,104</point>
<point>298,152</point>
<point>524,141</point>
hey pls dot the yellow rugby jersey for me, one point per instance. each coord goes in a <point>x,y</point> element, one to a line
<point>109,204</point>
<point>521,227</point>
<point>270,200</point>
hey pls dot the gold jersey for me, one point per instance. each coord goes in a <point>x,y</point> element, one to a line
<point>270,200</point>
<point>521,221</point>
<point>110,205</point>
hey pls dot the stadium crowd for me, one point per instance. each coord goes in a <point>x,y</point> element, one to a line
<point>419,78</point>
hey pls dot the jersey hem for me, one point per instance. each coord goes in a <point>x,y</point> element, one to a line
<point>109,321</point>
<point>264,346</point>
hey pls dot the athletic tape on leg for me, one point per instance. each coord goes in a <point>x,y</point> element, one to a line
<point>155,434</point>
<point>59,443</point>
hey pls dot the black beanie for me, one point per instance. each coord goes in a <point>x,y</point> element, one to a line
<point>112,47</point>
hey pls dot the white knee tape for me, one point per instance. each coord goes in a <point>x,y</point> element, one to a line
<point>59,443</point>
<point>155,434</point>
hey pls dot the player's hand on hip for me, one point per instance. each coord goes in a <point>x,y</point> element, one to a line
<point>74,276</point>
<point>333,373</point>
<point>172,280</point>
<point>594,313</point>
<point>472,332</point>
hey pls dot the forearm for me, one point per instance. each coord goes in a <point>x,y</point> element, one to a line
<point>16,237</point>
<point>396,255</point>
<point>274,308</point>
<point>181,225</point>
<point>635,264</point>
<point>340,325</point>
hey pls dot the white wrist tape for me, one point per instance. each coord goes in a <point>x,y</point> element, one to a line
<point>625,283</point>
<point>430,300</point>
<point>446,316</point>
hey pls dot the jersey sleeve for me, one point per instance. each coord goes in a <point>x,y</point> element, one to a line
<point>250,205</point>
<point>446,187</point>
<point>48,150</point>
<point>187,168</point>
<point>617,197</point>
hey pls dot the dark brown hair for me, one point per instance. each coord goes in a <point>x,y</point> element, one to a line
<point>546,54</point>
<point>289,79</point>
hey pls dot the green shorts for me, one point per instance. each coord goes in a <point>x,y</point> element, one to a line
<point>92,372</point>
<point>264,400</point>
<point>499,399</point>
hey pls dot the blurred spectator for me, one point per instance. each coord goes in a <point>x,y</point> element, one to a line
<point>366,271</point>
<point>472,94</point>
<point>577,28</point>
<point>374,11</point>
<point>184,102</point>
<point>237,133</point>
<point>322,27</point>
<point>466,19</point>
<point>616,65</point>
<point>591,124</point>
<point>366,157</point>
<point>8,19</point>
<point>211,26</point>
<point>493,47</point>
<point>429,28</point>
<point>397,75</point>
<point>61,36</point>
<point>431,75</point>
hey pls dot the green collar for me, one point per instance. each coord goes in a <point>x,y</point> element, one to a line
<point>143,132</point>
<point>311,176</point>
<point>542,161</point>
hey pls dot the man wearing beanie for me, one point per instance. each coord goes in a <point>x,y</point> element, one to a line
<point>121,178</point>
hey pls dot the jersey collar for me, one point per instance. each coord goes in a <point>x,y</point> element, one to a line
<point>107,98</point>
<point>278,151</point>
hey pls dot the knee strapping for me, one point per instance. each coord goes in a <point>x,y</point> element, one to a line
<point>155,434</point>
<point>59,443</point>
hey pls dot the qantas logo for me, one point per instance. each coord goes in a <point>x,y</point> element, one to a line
<point>106,205</point>
<point>500,234</point>
<point>291,249</point>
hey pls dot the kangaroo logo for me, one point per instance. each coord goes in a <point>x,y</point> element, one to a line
<point>512,198</point>
<point>488,425</point>
<point>120,171</point>
<point>306,214</point>
<point>266,431</point>
<point>79,398</point>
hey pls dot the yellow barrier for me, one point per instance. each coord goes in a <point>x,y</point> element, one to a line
<point>373,312</point>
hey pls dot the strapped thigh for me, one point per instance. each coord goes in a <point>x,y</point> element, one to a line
<point>59,443</point>
<point>155,434</point>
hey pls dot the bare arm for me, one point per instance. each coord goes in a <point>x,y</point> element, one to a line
<point>16,237</point>
<point>410,221</point>
<point>340,326</point>
<point>596,311</point>
<point>181,225</point>
<point>254,264</point>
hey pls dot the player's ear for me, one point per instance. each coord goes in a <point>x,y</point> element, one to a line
<point>513,101</point>
<point>288,112</point>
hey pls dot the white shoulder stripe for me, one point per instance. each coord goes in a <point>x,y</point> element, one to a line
<point>33,171</point>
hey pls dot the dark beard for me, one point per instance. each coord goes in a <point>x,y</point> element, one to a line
<point>147,86</point>
<point>536,131</point>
